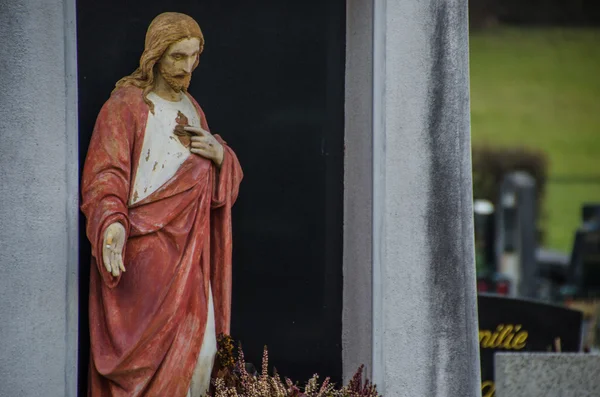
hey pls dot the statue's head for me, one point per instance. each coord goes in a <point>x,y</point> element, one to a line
<point>173,44</point>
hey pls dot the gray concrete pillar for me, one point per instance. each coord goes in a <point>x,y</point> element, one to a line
<point>38,198</point>
<point>358,177</point>
<point>407,87</point>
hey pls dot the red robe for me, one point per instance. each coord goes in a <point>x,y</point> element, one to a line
<point>147,325</point>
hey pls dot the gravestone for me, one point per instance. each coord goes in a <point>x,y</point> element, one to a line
<point>516,234</point>
<point>518,325</point>
<point>584,270</point>
<point>547,375</point>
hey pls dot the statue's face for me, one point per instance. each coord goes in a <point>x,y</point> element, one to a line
<point>177,63</point>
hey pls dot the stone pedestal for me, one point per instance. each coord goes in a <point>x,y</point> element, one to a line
<point>547,375</point>
<point>409,281</point>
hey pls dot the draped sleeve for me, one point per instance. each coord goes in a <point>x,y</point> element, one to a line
<point>226,179</point>
<point>106,177</point>
<point>225,182</point>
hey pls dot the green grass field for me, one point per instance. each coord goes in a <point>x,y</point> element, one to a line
<point>540,88</point>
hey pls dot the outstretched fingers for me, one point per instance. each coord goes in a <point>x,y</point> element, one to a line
<point>114,264</point>
<point>120,262</point>
<point>106,258</point>
<point>107,251</point>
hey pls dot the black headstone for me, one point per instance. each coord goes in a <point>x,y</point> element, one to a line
<point>518,325</point>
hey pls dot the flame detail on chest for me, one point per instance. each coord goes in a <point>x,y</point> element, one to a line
<point>183,135</point>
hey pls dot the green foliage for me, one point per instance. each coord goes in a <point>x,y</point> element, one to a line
<point>534,12</point>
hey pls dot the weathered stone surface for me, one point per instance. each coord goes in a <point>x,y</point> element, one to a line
<point>547,375</point>
<point>424,323</point>
<point>38,198</point>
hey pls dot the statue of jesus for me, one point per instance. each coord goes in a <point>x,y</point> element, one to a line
<point>157,191</point>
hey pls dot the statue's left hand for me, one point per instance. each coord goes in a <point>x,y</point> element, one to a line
<point>206,145</point>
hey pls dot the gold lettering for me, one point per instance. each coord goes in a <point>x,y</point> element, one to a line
<point>506,330</point>
<point>488,389</point>
<point>519,342</point>
<point>495,335</point>
<point>484,338</point>
<point>510,337</point>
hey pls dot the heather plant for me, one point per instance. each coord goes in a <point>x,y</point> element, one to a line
<point>236,378</point>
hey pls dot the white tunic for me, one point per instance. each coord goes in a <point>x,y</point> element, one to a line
<point>162,155</point>
<point>206,358</point>
<point>162,152</point>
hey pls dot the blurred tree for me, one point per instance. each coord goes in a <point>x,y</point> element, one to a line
<point>487,13</point>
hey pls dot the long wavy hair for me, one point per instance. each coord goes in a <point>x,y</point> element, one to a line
<point>165,30</point>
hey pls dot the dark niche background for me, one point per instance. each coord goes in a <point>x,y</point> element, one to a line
<point>271,82</point>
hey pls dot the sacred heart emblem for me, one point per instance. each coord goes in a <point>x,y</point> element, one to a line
<point>183,135</point>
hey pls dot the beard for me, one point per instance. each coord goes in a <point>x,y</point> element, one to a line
<point>177,83</point>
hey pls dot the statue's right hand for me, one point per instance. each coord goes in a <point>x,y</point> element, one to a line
<point>112,250</point>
